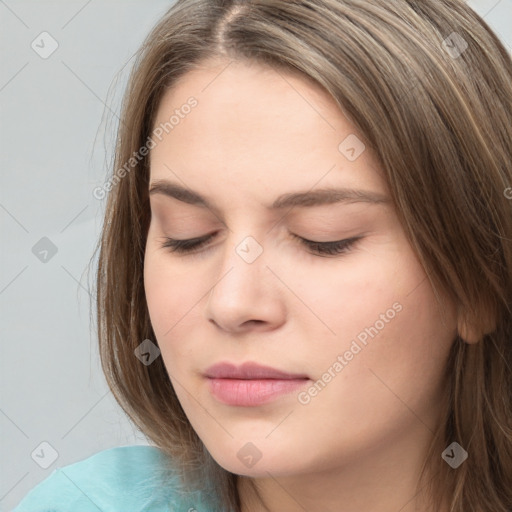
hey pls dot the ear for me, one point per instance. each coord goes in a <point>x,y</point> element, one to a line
<point>473,332</point>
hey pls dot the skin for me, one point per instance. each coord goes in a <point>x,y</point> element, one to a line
<point>358,445</point>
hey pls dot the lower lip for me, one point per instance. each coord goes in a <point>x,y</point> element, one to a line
<point>250,393</point>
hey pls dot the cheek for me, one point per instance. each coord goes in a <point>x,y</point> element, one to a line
<point>383,315</point>
<point>172,296</point>
<point>406,337</point>
<point>336,300</point>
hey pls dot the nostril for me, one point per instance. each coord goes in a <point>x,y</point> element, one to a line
<point>254,322</point>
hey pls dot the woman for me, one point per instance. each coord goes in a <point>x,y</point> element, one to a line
<point>305,270</point>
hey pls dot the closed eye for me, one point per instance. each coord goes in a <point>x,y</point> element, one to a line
<point>334,248</point>
<point>329,248</point>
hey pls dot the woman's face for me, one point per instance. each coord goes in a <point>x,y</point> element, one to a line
<point>359,338</point>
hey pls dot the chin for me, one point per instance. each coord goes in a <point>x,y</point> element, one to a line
<point>251,462</point>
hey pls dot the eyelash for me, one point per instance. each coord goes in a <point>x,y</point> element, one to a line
<point>319,248</point>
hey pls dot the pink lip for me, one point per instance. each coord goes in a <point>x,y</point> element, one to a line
<point>248,371</point>
<point>250,384</point>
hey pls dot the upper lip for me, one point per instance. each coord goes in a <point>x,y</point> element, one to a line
<point>248,371</point>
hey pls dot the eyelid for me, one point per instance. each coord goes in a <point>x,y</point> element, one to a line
<point>191,246</point>
<point>332,248</point>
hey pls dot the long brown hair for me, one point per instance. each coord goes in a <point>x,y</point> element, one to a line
<point>429,85</point>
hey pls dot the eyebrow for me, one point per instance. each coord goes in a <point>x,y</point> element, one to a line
<point>305,199</point>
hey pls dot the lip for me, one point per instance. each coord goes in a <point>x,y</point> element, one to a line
<point>251,384</point>
<point>248,371</point>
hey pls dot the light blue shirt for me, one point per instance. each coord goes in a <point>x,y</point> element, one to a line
<point>122,479</point>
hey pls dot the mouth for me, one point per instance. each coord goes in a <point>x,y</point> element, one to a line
<point>251,384</point>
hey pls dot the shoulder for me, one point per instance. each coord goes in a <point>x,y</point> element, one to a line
<point>138,478</point>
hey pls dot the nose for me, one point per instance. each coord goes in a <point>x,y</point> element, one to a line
<point>246,294</point>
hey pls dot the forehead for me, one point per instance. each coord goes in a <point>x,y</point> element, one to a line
<point>257,125</point>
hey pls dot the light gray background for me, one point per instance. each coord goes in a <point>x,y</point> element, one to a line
<point>57,123</point>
